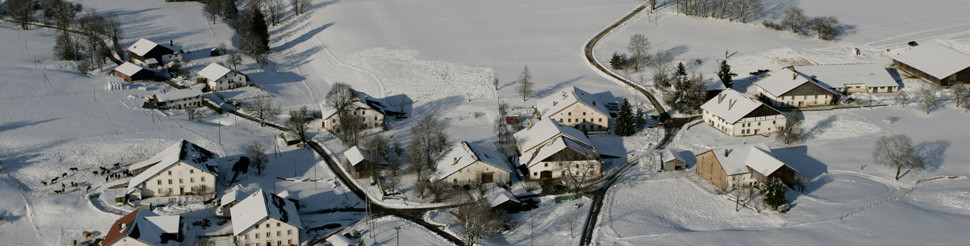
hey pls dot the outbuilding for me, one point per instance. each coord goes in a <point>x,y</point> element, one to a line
<point>935,63</point>
<point>133,72</point>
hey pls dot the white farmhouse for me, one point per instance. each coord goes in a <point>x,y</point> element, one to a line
<point>369,110</point>
<point>180,169</point>
<point>143,227</point>
<point>736,114</point>
<point>265,219</point>
<point>148,53</point>
<point>551,150</point>
<point>218,77</point>
<point>787,88</point>
<point>179,99</point>
<point>852,78</point>
<point>576,108</point>
<point>467,164</point>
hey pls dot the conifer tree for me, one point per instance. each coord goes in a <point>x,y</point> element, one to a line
<point>625,125</point>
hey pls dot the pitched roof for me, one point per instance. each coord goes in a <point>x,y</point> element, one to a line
<point>130,69</point>
<point>143,46</point>
<point>462,155</point>
<point>497,195</point>
<point>558,145</point>
<point>183,151</point>
<point>214,71</point>
<point>838,76</point>
<point>143,225</point>
<point>714,84</point>
<point>935,59</point>
<point>362,100</point>
<point>545,130</point>
<point>565,98</point>
<point>261,205</point>
<point>669,155</point>
<point>731,105</point>
<point>783,81</point>
<point>179,94</point>
<point>354,155</point>
<point>736,160</point>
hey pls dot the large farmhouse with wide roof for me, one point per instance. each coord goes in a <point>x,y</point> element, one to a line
<point>736,114</point>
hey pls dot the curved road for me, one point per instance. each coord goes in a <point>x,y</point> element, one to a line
<point>670,129</point>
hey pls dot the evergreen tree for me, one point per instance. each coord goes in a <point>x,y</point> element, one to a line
<point>625,125</point>
<point>726,75</point>
<point>774,192</point>
<point>253,32</point>
<point>618,61</point>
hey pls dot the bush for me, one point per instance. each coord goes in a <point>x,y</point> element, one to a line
<point>774,193</point>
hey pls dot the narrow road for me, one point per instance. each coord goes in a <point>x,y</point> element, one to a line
<point>413,214</point>
<point>599,195</point>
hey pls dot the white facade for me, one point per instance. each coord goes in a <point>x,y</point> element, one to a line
<point>270,231</point>
<point>745,126</point>
<point>800,101</point>
<point>179,99</point>
<point>218,77</point>
<point>582,168</point>
<point>371,118</point>
<point>582,117</point>
<point>473,173</point>
<point>180,179</point>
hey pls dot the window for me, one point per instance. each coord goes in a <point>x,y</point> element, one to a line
<point>180,181</point>
<point>169,172</point>
<point>584,113</point>
<point>546,164</point>
<point>256,234</point>
<point>159,182</point>
<point>257,226</point>
<point>169,181</point>
<point>279,233</point>
<point>246,236</point>
<point>277,225</point>
<point>267,234</point>
<point>289,241</point>
<point>191,171</point>
<point>169,190</point>
<point>289,232</point>
<point>159,190</point>
<point>202,179</point>
<point>191,180</point>
<point>569,113</point>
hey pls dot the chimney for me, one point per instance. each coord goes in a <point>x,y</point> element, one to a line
<point>726,152</point>
<point>171,43</point>
<point>731,104</point>
<point>720,97</point>
<point>456,161</point>
<point>554,103</point>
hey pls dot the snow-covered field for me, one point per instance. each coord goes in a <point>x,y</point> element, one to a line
<point>443,55</point>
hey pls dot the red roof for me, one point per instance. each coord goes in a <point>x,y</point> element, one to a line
<point>116,231</point>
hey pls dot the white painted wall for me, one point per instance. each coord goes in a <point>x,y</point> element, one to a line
<point>178,177</point>
<point>269,230</point>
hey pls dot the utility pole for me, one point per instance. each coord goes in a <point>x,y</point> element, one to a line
<point>398,240</point>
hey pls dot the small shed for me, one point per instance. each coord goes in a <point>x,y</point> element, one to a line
<point>132,72</point>
<point>672,160</point>
<point>501,198</point>
<point>358,164</point>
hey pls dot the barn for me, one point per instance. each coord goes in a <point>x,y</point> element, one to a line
<point>146,52</point>
<point>935,63</point>
<point>132,72</point>
<point>787,88</point>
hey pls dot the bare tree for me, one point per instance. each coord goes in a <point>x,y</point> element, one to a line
<point>393,172</point>
<point>479,220</point>
<point>795,20</point>
<point>525,83</point>
<point>350,128</point>
<point>958,92</point>
<point>298,122</point>
<point>896,151</point>
<point>792,131</point>
<point>901,98</point>
<point>927,99</point>
<point>65,47</point>
<point>275,9</point>
<point>428,141</point>
<point>61,12</point>
<point>378,147</point>
<point>257,158</point>
<point>22,11</point>
<point>263,108</point>
<point>638,47</point>
<point>825,28</point>
<point>661,61</point>
<point>233,59</point>
<point>340,97</point>
<point>300,6</point>
<point>577,169</point>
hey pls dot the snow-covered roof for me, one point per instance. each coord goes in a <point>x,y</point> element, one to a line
<point>497,195</point>
<point>236,193</point>
<point>731,105</point>
<point>565,98</point>
<point>669,155</point>
<point>557,145</point>
<point>179,94</point>
<point>143,46</point>
<point>783,81</point>
<point>760,160</point>
<point>838,76</point>
<point>362,100</point>
<point>214,71</point>
<point>545,130</point>
<point>736,160</point>
<point>144,225</point>
<point>130,69</point>
<point>935,59</point>
<point>182,151</point>
<point>261,205</point>
<point>714,84</point>
<point>354,155</point>
<point>339,240</point>
<point>462,155</point>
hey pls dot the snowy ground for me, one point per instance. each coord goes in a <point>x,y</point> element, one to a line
<point>381,231</point>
